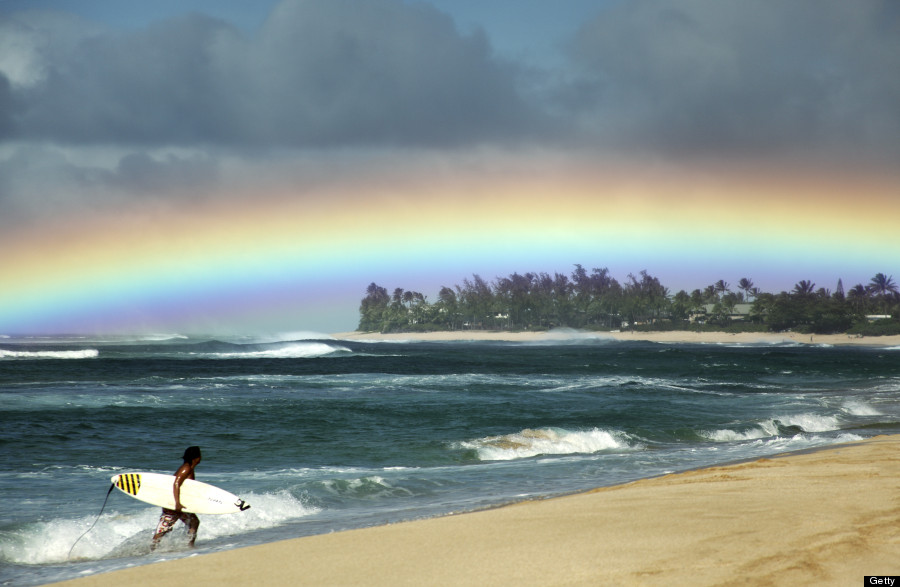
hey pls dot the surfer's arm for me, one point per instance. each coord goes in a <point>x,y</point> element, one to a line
<point>183,473</point>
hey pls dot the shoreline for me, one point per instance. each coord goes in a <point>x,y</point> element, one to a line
<point>675,336</point>
<point>829,516</point>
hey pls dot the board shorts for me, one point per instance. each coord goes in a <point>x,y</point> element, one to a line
<point>168,518</point>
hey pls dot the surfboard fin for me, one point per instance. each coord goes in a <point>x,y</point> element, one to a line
<point>242,505</point>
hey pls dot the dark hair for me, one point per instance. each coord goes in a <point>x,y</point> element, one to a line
<point>191,453</point>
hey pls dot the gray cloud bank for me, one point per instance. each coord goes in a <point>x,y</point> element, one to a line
<point>692,77</point>
<point>747,77</point>
<point>317,74</point>
<point>704,74</point>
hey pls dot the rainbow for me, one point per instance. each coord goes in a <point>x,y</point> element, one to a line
<point>282,257</point>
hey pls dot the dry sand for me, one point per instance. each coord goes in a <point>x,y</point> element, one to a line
<point>828,517</point>
<point>673,336</point>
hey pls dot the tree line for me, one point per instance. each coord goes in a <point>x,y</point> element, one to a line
<point>597,301</point>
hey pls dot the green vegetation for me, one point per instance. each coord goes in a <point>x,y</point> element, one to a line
<point>597,301</point>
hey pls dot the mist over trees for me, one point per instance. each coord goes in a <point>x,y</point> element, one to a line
<point>597,301</point>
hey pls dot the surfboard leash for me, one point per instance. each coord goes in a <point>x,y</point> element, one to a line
<point>111,487</point>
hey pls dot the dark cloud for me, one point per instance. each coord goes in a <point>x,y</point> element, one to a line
<point>727,77</point>
<point>317,74</point>
<point>151,87</point>
<point>768,76</point>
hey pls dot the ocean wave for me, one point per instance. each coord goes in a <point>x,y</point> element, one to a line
<point>569,335</point>
<point>859,408</point>
<point>302,335</point>
<point>299,350</point>
<point>161,337</point>
<point>369,487</point>
<point>789,425</point>
<point>810,422</point>
<point>74,354</point>
<point>548,441</point>
<point>805,441</point>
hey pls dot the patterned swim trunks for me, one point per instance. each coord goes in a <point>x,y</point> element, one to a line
<point>169,517</point>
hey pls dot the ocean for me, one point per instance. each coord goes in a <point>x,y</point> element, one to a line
<point>322,435</point>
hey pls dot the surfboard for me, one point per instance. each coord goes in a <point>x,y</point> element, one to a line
<point>196,497</point>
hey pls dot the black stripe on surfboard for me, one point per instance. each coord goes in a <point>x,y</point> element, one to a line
<point>129,483</point>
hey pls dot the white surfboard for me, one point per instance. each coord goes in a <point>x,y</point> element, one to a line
<point>196,497</point>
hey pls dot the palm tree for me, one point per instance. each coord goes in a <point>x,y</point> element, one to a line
<point>858,294</point>
<point>804,288</point>
<point>746,285</point>
<point>721,287</point>
<point>883,287</point>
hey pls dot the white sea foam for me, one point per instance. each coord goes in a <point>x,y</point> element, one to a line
<point>772,427</point>
<point>128,534</point>
<point>799,442</point>
<point>764,429</point>
<point>859,408</point>
<point>300,350</point>
<point>79,354</point>
<point>547,441</point>
<point>811,422</point>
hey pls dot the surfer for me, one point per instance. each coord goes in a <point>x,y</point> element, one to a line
<point>169,517</point>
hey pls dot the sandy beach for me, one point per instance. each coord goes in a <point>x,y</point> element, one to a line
<point>671,337</point>
<point>828,517</point>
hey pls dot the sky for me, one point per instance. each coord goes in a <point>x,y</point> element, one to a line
<point>207,166</point>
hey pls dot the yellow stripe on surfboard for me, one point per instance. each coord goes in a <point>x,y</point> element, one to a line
<point>129,483</point>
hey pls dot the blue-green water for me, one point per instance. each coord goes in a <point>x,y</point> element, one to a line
<point>321,435</point>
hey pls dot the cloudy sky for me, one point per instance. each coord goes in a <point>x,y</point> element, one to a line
<point>175,120</point>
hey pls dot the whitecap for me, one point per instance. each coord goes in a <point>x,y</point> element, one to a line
<point>765,429</point>
<point>772,428</point>
<point>304,350</point>
<point>74,354</point>
<point>859,408</point>
<point>547,441</point>
<point>811,422</point>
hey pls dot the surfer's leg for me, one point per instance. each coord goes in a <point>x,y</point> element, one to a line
<point>166,522</point>
<point>193,523</point>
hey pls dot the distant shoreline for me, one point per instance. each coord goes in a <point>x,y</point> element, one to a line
<point>677,336</point>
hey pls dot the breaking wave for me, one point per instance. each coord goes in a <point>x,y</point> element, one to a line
<point>859,408</point>
<point>297,350</point>
<point>778,426</point>
<point>121,534</point>
<point>79,354</point>
<point>548,441</point>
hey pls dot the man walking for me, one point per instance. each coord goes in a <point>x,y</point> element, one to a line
<point>169,517</point>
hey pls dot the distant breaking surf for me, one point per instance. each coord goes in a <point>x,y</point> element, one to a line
<point>80,354</point>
